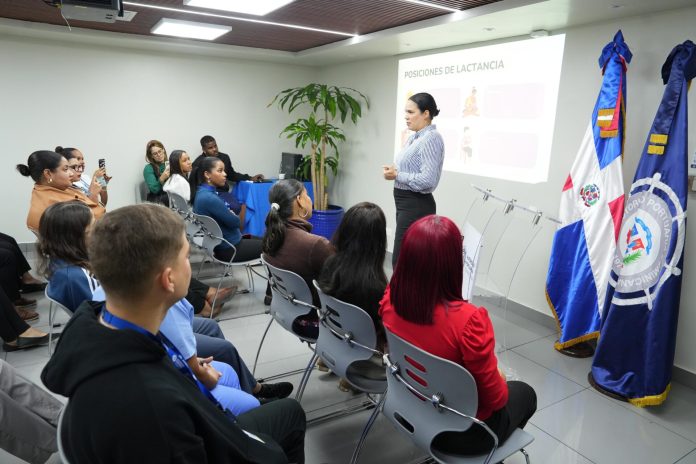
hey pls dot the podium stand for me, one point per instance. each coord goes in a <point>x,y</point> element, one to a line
<point>508,229</point>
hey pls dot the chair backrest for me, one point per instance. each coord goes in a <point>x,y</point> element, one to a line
<point>289,292</point>
<point>141,191</point>
<point>179,204</point>
<point>212,235</point>
<point>56,302</point>
<point>347,340</point>
<point>437,379</point>
<point>59,436</point>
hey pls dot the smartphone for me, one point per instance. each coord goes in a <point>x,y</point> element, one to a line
<point>102,165</point>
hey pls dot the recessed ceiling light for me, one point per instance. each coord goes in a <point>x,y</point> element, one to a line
<point>237,18</point>
<point>433,5</point>
<point>189,29</point>
<point>253,7</point>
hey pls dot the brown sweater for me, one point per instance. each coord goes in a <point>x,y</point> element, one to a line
<point>44,196</point>
<point>302,253</point>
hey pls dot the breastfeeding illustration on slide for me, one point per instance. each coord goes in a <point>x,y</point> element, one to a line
<point>497,105</point>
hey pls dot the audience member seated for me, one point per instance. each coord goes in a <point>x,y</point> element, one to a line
<point>423,305</point>
<point>220,378</point>
<point>206,201</point>
<point>289,244</point>
<point>15,278</point>
<point>29,417</point>
<point>90,186</point>
<point>355,274</point>
<point>210,148</point>
<point>153,402</point>
<point>15,333</point>
<point>179,169</point>
<point>156,172</point>
<point>63,233</point>
<point>65,263</point>
<point>51,174</point>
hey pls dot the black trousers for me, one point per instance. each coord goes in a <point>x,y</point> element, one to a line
<point>283,420</point>
<point>11,325</point>
<point>521,405</point>
<point>410,206</point>
<point>13,265</point>
<point>247,249</point>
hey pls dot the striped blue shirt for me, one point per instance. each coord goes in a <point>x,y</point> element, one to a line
<point>419,164</point>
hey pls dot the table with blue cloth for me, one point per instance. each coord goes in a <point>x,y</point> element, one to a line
<point>255,196</point>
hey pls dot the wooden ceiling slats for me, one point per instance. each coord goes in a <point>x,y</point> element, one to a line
<point>351,16</point>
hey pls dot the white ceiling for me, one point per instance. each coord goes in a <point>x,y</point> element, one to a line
<point>508,18</point>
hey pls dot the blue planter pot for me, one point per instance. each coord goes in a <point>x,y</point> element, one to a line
<point>325,222</point>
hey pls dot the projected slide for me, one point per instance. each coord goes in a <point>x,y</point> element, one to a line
<point>497,106</point>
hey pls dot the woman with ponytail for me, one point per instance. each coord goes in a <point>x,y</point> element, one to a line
<point>209,175</point>
<point>53,181</point>
<point>288,242</point>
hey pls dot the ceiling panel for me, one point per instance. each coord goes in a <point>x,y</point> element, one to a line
<point>350,16</point>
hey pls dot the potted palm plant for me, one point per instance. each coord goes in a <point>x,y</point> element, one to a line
<point>326,104</point>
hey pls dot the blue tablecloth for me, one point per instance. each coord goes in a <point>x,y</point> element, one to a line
<point>255,196</point>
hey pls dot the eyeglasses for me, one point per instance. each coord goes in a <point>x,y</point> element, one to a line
<point>158,152</point>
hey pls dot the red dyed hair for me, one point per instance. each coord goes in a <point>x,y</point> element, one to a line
<point>429,270</point>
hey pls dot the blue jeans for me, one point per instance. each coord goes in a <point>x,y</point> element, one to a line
<point>210,341</point>
<point>227,391</point>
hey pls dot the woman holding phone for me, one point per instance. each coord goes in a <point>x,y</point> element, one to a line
<point>156,172</point>
<point>94,187</point>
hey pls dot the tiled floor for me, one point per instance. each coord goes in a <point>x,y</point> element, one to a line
<point>574,423</point>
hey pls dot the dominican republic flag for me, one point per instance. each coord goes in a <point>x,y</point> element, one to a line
<point>635,353</point>
<point>592,205</point>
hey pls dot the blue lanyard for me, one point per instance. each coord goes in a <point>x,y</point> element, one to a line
<point>172,353</point>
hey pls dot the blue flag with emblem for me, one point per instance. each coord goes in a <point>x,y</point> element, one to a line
<point>635,352</point>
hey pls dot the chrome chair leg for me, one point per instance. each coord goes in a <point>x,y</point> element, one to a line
<point>366,429</point>
<point>258,352</point>
<point>50,327</point>
<point>526,456</point>
<point>305,377</point>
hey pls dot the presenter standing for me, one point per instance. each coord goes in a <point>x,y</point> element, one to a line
<point>418,167</point>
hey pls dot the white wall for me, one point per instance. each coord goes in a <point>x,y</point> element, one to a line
<point>109,102</point>
<point>650,38</point>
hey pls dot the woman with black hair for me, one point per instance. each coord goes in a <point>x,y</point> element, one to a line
<point>209,175</point>
<point>90,186</point>
<point>418,167</point>
<point>180,169</point>
<point>63,232</point>
<point>52,176</point>
<point>355,274</point>
<point>289,244</point>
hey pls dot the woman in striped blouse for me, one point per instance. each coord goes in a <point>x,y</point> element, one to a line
<point>418,167</point>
